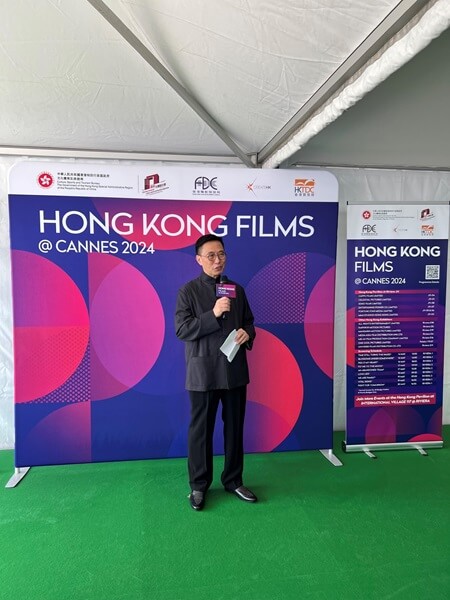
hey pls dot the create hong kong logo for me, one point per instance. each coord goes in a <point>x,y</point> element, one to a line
<point>252,186</point>
<point>369,230</point>
<point>154,185</point>
<point>366,214</point>
<point>45,180</point>
<point>205,186</point>
<point>304,187</point>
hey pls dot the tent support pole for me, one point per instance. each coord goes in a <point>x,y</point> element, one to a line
<point>151,60</point>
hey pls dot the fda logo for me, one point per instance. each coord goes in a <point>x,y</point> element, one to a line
<point>204,184</point>
<point>369,229</point>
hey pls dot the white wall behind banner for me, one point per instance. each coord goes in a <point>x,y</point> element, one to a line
<point>356,186</point>
<point>6,360</point>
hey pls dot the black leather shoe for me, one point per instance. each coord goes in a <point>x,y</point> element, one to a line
<point>197,499</point>
<point>244,494</point>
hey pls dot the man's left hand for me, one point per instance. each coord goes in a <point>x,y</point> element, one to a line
<point>241,337</point>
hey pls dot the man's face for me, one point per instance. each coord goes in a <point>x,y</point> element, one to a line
<point>214,267</point>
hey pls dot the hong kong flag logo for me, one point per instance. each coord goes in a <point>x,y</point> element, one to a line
<point>366,214</point>
<point>45,180</point>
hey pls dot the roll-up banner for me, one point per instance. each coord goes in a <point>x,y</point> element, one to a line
<point>98,255</point>
<point>396,288</point>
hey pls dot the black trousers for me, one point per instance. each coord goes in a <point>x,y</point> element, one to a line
<point>204,407</point>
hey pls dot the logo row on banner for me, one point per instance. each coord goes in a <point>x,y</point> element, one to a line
<point>62,179</point>
<point>388,221</point>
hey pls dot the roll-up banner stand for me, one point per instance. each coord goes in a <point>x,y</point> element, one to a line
<point>98,255</point>
<point>396,288</point>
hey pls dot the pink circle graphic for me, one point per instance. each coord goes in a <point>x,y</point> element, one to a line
<point>319,322</point>
<point>127,325</point>
<point>435,423</point>
<point>381,428</point>
<point>275,393</point>
<point>387,423</point>
<point>51,326</point>
<point>69,429</point>
<point>426,437</point>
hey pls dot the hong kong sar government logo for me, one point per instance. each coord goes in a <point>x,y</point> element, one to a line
<point>45,180</point>
<point>366,214</point>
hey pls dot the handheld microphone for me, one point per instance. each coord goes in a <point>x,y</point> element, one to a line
<point>223,279</point>
<point>224,288</point>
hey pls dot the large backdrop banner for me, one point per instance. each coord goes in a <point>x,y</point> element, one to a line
<point>98,255</point>
<point>397,271</point>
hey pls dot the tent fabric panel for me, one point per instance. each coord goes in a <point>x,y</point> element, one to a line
<point>250,64</point>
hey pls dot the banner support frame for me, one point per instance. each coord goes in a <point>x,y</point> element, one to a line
<point>331,457</point>
<point>19,474</point>
<point>367,448</point>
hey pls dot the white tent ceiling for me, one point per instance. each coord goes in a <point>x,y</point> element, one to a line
<point>403,124</point>
<point>234,79</point>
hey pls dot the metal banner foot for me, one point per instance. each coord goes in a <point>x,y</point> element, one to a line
<point>421,451</point>
<point>19,474</point>
<point>329,455</point>
<point>369,453</point>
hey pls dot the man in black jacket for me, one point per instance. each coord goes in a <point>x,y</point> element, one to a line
<point>203,321</point>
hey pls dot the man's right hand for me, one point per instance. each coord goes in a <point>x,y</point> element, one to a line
<point>222,305</point>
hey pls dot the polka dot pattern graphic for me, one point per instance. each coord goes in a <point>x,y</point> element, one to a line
<point>277,291</point>
<point>76,389</point>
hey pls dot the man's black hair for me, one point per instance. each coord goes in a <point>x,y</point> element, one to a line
<point>210,237</point>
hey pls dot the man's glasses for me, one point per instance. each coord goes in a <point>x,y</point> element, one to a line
<point>211,256</point>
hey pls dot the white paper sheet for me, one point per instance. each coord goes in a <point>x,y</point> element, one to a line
<point>229,347</point>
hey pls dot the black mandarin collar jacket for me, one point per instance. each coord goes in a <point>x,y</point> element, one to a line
<point>207,368</point>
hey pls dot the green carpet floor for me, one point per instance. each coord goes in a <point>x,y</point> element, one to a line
<point>372,529</point>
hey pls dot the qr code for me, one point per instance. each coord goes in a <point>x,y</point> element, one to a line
<point>432,271</point>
